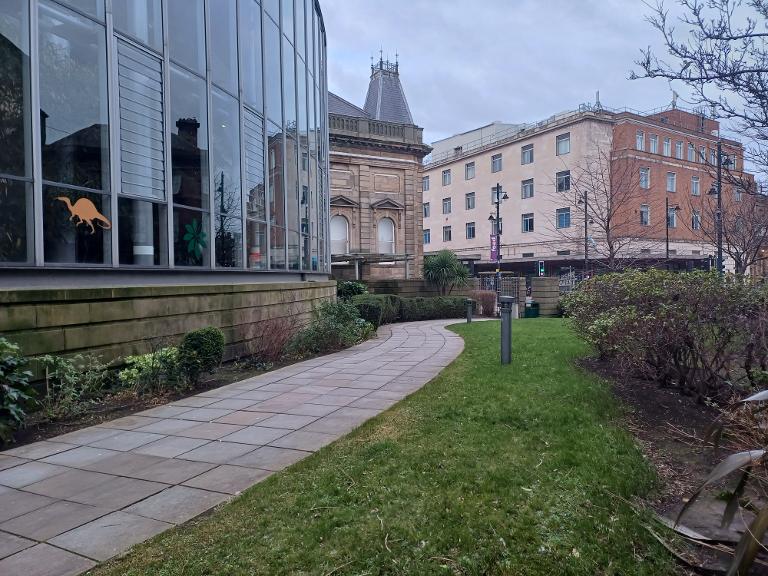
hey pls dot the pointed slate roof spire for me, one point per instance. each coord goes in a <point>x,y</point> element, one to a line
<point>386,99</point>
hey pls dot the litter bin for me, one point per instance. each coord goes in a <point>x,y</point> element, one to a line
<point>532,310</point>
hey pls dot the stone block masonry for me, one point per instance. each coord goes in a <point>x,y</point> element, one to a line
<point>117,322</point>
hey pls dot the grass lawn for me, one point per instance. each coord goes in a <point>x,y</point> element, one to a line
<point>486,470</point>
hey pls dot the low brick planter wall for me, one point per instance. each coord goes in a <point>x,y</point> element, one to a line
<point>116,322</point>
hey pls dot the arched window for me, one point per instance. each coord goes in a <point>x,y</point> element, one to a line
<point>339,235</point>
<point>386,236</point>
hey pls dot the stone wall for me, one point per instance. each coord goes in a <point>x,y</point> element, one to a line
<point>546,291</point>
<point>116,322</point>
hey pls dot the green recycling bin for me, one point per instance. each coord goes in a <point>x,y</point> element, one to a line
<point>532,310</point>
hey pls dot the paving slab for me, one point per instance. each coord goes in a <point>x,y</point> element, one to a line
<point>38,450</point>
<point>287,421</point>
<point>91,494</point>
<point>29,473</point>
<point>302,440</point>
<point>170,446</point>
<point>173,471</point>
<point>206,414</point>
<point>15,503</point>
<point>228,479</point>
<point>49,521</point>
<point>69,483</point>
<point>10,461</point>
<point>81,457</point>
<point>271,458</point>
<point>218,452</point>
<point>245,418</point>
<point>118,493</point>
<point>209,431</point>
<point>194,401</point>
<point>129,422</point>
<point>177,504</point>
<point>126,440</point>
<point>124,463</point>
<point>109,535</point>
<point>10,544</point>
<point>45,560</point>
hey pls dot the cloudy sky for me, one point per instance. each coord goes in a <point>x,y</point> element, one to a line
<point>466,63</point>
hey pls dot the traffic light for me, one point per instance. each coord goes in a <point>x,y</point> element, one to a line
<point>541,267</point>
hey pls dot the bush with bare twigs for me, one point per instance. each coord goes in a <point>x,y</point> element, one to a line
<point>700,333</point>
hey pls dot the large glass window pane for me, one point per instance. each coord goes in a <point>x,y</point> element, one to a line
<point>75,226</point>
<point>301,17</point>
<point>291,183</point>
<point>256,201</point>
<point>226,155</point>
<point>289,89</point>
<point>15,115</point>
<point>229,241</point>
<point>226,180</point>
<point>73,99</point>
<point>189,139</point>
<point>15,221</point>
<point>143,232</point>
<point>257,245</point>
<point>142,19</point>
<point>224,44</point>
<point>273,9</point>
<point>186,23</point>
<point>301,80</point>
<point>294,250</point>
<point>93,8</point>
<point>277,248</point>
<point>287,8</point>
<point>272,72</point>
<point>276,191</point>
<point>250,40</point>
<point>190,238</point>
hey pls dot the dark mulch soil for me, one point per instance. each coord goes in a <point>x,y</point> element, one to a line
<point>126,404</point>
<point>670,429</point>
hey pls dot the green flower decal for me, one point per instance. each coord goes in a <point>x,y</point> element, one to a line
<point>195,238</point>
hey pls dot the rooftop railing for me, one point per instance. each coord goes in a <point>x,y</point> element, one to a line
<point>521,130</point>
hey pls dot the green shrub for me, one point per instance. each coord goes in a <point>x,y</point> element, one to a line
<point>694,331</point>
<point>414,309</point>
<point>16,394</point>
<point>389,304</point>
<point>154,371</point>
<point>201,351</point>
<point>346,289</point>
<point>370,311</point>
<point>334,325</point>
<point>72,384</point>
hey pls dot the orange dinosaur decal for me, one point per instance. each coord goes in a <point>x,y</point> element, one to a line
<point>86,212</point>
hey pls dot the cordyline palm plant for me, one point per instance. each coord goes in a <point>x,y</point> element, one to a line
<point>444,271</point>
<point>747,422</point>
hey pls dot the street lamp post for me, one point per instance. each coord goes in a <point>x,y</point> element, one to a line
<point>585,202</point>
<point>719,206</point>
<point>498,196</point>
<point>717,190</point>
<point>666,215</point>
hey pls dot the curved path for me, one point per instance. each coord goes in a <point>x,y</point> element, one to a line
<point>86,496</point>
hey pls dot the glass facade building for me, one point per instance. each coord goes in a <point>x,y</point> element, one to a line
<point>163,134</point>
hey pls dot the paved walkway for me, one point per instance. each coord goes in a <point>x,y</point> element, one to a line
<point>71,501</point>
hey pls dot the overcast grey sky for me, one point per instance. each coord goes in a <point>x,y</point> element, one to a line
<point>464,64</point>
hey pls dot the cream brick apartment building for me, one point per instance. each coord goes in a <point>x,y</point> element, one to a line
<point>667,157</point>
